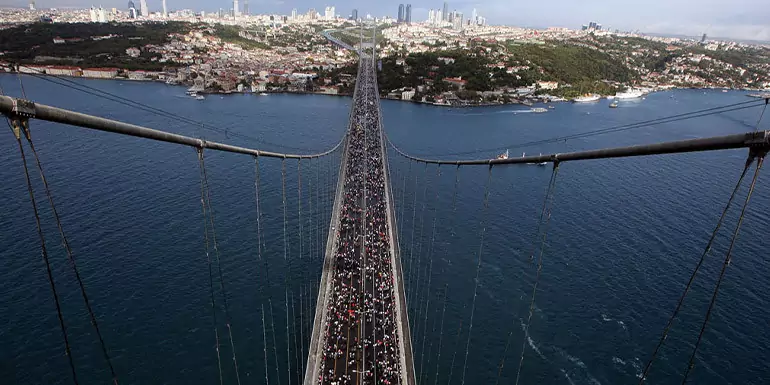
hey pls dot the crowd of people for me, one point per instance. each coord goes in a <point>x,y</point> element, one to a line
<point>361,341</point>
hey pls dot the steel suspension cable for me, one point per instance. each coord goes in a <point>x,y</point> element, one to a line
<point>228,321</point>
<point>410,289</point>
<point>483,225</point>
<point>304,269</point>
<point>430,274</point>
<point>728,258</point>
<point>441,333</point>
<point>287,270</point>
<point>264,344</point>
<point>403,203</point>
<point>457,344</point>
<point>705,252</point>
<point>419,250</point>
<point>70,256</point>
<point>547,210</point>
<point>761,115</point>
<point>275,345</point>
<point>44,252</point>
<point>204,211</point>
<point>294,334</point>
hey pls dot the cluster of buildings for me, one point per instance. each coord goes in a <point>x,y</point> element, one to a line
<point>442,18</point>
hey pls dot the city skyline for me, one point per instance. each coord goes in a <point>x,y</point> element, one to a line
<point>737,19</point>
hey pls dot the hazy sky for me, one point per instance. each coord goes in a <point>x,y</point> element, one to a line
<point>741,19</point>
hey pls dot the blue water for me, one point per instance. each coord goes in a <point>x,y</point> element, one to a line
<point>623,238</point>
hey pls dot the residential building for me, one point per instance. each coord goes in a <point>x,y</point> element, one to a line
<point>100,73</point>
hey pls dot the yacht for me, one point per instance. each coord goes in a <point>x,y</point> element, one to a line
<point>263,94</point>
<point>629,94</point>
<point>587,98</point>
<point>199,97</point>
<point>539,110</point>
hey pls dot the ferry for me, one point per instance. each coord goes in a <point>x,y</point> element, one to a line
<point>503,155</point>
<point>629,94</point>
<point>587,98</point>
<point>539,110</point>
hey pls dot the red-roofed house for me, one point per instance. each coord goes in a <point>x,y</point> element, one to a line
<point>456,81</point>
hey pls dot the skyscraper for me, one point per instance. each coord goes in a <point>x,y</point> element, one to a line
<point>294,14</point>
<point>401,13</point>
<point>235,8</point>
<point>329,13</point>
<point>32,5</point>
<point>473,16</point>
<point>131,4</point>
<point>703,39</point>
<point>165,11</point>
<point>246,7</point>
<point>445,13</point>
<point>143,10</point>
<point>354,15</point>
<point>408,15</point>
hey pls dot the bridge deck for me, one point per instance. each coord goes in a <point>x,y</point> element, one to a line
<point>361,332</point>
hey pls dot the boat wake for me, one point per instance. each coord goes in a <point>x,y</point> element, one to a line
<point>635,364</point>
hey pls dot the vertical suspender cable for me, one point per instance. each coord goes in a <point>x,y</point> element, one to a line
<point>694,272</point>
<point>44,251</point>
<point>208,262</point>
<point>547,209</point>
<point>478,268</point>
<point>304,266</point>
<point>264,345</point>
<point>219,267</point>
<point>287,271</point>
<point>70,255</point>
<point>726,263</point>
<point>430,276</point>
<point>275,345</point>
<point>441,334</point>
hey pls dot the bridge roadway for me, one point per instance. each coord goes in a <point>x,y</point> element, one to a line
<point>361,330</point>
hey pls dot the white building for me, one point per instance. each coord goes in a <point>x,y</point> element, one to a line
<point>143,10</point>
<point>100,73</point>
<point>236,12</point>
<point>102,15</point>
<point>93,15</point>
<point>165,11</point>
<point>407,95</point>
<point>329,13</point>
<point>294,14</point>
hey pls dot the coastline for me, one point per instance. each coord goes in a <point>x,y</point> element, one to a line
<point>515,102</point>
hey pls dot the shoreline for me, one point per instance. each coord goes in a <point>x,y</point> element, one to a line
<point>534,101</point>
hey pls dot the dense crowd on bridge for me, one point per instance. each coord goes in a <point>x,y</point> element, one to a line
<point>361,341</point>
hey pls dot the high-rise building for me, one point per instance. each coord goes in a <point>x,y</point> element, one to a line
<point>132,13</point>
<point>408,14</point>
<point>445,13</point>
<point>400,13</point>
<point>354,15</point>
<point>329,13</point>
<point>473,16</point>
<point>294,14</point>
<point>703,38</point>
<point>246,7</point>
<point>457,20</point>
<point>32,5</point>
<point>131,4</point>
<point>102,13</point>
<point>165,11</point>
<point>236,12</point>
<point>143,10</point>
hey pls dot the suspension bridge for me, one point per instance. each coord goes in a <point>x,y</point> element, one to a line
<point>353,306</point>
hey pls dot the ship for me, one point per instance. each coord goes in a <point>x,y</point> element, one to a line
<point>539,110</point>
<point>614,104</point>
<point>503,155</point>
<point>587,98</point>
<point>199,97</point>
<point>629,94</point>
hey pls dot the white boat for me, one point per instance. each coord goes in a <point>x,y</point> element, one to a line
<point>614,104</point>
<point>503,155</point>
<point>199,97</point>
<point>629,94</point>
<point>542,163</point>
<point>262,94</point>
<point>539,110</point>
<point>587,98</point>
